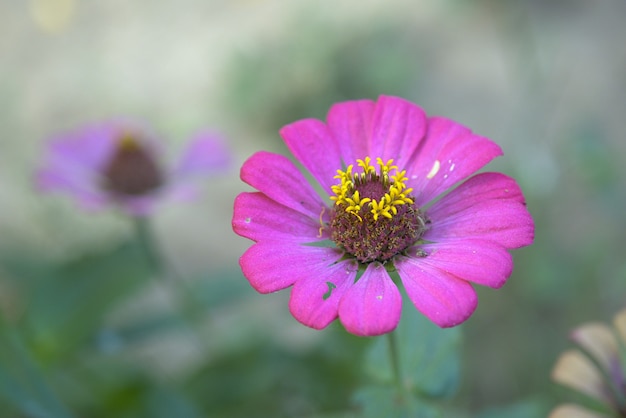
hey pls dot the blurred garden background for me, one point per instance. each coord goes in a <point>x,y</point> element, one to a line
<point>88,330</point>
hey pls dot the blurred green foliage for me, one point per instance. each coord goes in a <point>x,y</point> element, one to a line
<point>302,75</point>
<point>61,345</point>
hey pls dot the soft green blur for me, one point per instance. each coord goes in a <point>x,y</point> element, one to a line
<point>89,328</point>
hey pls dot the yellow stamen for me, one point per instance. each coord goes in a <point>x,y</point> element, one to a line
<point>127,142</point>
<point>346,192</point>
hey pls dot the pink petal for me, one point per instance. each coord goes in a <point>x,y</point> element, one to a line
<point>280,180</point>
<point>206,153</point>
<point>80,185</point>
<point>315,300</point>
<point>311,143</point>
<point>259,218</point>
<point>274,265</point>
<point>482,262</point>
<point>87,148</point>
<point>481,187</point>
<point>371,306</point>
<point>488,206</point>
<point>398,127</point>
<point>350,123</point>
<point>73,161</point>
<point>449,153</point>
<point>441,297</point>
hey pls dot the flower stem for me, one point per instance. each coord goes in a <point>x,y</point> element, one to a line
<point>188,305</point>
<point>146,239</point>
<point>394,357</point>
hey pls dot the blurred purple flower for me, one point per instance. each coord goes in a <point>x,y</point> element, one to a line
<point>389,214</point>
<point>119,163</point>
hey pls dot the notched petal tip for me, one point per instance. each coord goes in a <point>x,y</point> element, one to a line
<point>314,301</point>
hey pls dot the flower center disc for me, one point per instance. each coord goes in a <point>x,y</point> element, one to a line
<point>131,169</point>
<point>374,217</point>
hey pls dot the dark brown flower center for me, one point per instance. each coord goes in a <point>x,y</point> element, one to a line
<point>132,169</point>
<point>375,217</point>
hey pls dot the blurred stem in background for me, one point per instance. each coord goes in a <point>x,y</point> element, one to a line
<point>189,307</point>
<point>145,236</point>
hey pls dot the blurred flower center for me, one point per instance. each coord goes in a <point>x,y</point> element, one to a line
<point>374,217</point>
<point>131,170</point>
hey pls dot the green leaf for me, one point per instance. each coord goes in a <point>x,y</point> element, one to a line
<point>263,379</point>
<point>429,356</point>
<point>166,403</point>
<point>383,401</point>
<point>22,384</point>
<point>68,305</point>
<point>524,409</point>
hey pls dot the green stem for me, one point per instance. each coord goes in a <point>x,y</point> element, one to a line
<point>394,356</point>
<point>146,239</point>
<point>189,307</point>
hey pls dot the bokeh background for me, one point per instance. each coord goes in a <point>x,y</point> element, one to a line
<point>95,333</point>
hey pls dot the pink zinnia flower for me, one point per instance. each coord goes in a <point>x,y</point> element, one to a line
<point>386,167</point>
<point>119,163</point>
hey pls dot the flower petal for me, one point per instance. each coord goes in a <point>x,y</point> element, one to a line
<point>441,297</point>
<point>483,186</point>
<point>449,153</point>
<point>619,322</point>
<point>488,206</point>
<point>280,180</point>
<point>350,123</point>
<point>482,262</point>
<point>574,411</point>
<point>576,371</point>
<point>80,185</point>
<point>315,300</point>
<point>398,127</point>
<point>311,143</point>
<point>86,148</point>
<point>273,265</point>
<point>599,341</point>
<point>206,153</point>
<point>73,163</point>
<point>372,305</point>
<point>259,218</point>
